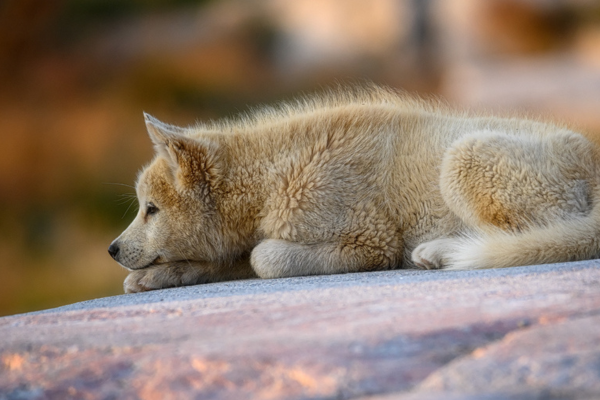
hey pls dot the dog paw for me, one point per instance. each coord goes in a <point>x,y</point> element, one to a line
<point>160,277</point>
<point>264,259</point>
<point>433,254</point>
<point>271,258</point>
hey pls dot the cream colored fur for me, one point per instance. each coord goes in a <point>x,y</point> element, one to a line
<point>359,180</point>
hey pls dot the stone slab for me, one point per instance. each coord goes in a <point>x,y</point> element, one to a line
<point>526,332</point>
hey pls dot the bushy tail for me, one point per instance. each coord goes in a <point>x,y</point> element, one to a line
<point>560,241</point>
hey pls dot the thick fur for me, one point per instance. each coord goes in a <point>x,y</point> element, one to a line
<point>358,180</point>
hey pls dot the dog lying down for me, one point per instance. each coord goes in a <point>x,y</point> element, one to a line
<point>358,179</point>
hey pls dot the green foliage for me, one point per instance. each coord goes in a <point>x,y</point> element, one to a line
<point>106,10</point>
<point>79,17</point>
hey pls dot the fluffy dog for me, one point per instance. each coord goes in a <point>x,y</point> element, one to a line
<point>358,179</point>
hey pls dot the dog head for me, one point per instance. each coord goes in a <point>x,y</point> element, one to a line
<point>177,218</point>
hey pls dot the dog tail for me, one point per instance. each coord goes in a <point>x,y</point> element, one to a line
<point>572,239</point>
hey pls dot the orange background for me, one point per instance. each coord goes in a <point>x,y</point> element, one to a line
<point>75,76</point>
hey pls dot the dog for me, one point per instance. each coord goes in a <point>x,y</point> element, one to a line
<point>358,179</point>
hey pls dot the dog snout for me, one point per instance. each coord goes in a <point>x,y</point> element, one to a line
<point>113,250</point>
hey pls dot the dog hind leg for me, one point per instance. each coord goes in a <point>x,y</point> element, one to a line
<point>526,200</point>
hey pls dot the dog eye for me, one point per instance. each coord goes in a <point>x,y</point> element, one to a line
<point>151,209</point>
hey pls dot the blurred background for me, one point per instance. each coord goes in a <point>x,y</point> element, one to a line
<point>75,76</point>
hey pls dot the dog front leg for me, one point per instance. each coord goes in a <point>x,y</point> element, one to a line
<point>185,273</point>
<point>275,258</point>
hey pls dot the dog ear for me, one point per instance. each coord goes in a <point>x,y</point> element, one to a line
<point>161,134</point>
<point>194,161</point>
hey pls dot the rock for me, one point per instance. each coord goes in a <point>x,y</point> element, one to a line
<point>526,332</point>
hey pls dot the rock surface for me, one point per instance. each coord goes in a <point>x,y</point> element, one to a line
<point>522,333</point>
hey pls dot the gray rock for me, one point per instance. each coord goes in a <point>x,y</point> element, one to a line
<point>522,333</point>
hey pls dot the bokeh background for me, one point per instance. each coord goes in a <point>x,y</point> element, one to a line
<point>75,76</point>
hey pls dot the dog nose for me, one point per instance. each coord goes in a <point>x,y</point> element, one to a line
<point>113,250</point>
